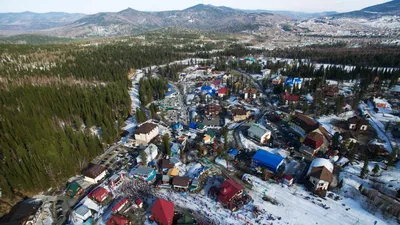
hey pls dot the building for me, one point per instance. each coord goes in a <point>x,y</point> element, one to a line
<point>229,190</point>
<point>95,173</point>
<point>314,140</point>
<point>166,165</point>
<point>294,82</point>
<point>271,162</point>
<point>251,94</point>
<point>118,220</point>
<point>303,124</point>
<point>319,176</point>
<point>180,183</point>
<point>290,98</point>
<point>151,152</point>
<point>122,204</point>
<point>116,179</point>
<point>99,195</point>
<point>209,137</point>
<point>381,103</point>
<point>222,92</point>
<point>23,213</point>
<point>173,172</point>
<point>212,110</point>
<point>239,114</point>
<point>162,212</point>
<point>165,181</point>
<point>330,91</point>
<point>144,173</point>
<point>357,123</point>
<point>259,133</point>
<point>288,180</point>
<point>73,189</point>
<point>82,212</point>
<point>146,132</point>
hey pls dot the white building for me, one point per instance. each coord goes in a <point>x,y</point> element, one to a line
<point>259,133</point>
<point>146,132</point>
<point>95,173</point>
<point>151,152</point>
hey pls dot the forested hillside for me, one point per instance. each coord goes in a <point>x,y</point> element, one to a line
<point>50,97</point>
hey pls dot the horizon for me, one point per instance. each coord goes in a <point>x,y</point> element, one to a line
<point>351,5</point>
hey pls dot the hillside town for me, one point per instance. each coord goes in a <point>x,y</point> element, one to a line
<point>251,140</point>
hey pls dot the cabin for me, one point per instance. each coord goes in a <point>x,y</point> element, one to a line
<point>240,114</point>
<point>144,173</point>
<point>319,176</point>
<point>99,195</point>
<point>357,123</point>
<point>259,133</point>
<point>180,183</point>
<point>229,192</point>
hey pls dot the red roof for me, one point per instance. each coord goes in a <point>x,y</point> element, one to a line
<point>138,201</point>
<point>117,207</point>
<point>117,220</point>
<point>163,211</point>
<point>99,194</point>
<point>288,177</point>
<point>223,90</point>
<point>314,140</point>
<point>227,190</point>
<point>290,98</point>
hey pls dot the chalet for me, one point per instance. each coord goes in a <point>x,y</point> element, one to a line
<point>319,176</point>
<point>290,98</point>
<point>162,212</point>
<point>222,92</point>
<point>23,213</point>
<point>180,183</point>
<point>240,114</point>
<point>120,206</point>
<point>272,163</point>
<point>357,123</point>
<point>212,110</point>
<point>99,195</point>
<point>118,220</point>
<point>146,132</point>
<point>259,133</point>
<point>95,173</point>
<point>251,94</point>
<point>229,191</point>
<point>146,174</point>
<point>303,124</point>
<point>209,137</point>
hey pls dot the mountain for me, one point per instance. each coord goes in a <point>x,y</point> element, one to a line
<point>30,21</point>
<point>292,14</point>
<point>130,21</point>
<point>391,8</point>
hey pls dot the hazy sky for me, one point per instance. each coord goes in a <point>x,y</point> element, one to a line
<point>94,6</point>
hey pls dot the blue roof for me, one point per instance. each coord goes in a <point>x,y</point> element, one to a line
<point>207,89</point>
<point>233,152</point>
<point>177,126</point>
<point>267,160</point>
<point>291,81</point>
<point>169,86</point>
<point>193,125</point>
<point>170,92</point>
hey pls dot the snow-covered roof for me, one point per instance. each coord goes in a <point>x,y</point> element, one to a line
<point>318,162</point>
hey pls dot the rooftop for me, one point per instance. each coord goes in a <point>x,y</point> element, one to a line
<point>145,128</point>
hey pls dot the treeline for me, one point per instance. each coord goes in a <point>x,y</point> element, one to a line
<point>45,134</point>
<point>374,55</point>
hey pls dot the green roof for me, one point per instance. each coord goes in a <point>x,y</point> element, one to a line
<point>200,125</point>
<point>211,133</point>
<point>73,187</point>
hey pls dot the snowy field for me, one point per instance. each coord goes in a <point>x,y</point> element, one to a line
<point>252,146</point>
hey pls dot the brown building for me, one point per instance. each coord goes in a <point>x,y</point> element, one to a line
<point>303,124</point>
<point>23,213</point>
<point>95,173</point>
<point>181,183</point>
<point>212,110</point>
<point>357,123</point>
<point>239,114</point>
<point>146,132</point>
<point>250,93</point>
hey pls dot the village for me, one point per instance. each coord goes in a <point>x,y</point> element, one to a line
<point>244,141</point>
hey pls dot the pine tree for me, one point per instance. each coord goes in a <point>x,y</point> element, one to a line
<point>364,170</point>
<point>376,169</point>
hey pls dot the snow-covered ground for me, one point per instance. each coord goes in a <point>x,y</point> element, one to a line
<point>326,121</point>
<point>252,146</point>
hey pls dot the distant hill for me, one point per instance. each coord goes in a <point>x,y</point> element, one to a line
<point>294,15</point>
<point>33,39</point>
<point>391,8</point>
<point>30,21</point>
<point>130,21</point>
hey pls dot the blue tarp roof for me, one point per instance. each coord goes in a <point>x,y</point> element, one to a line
<point>233,152</point>
<point>268,160</point>
<point>177,126</point>
<point>193,125</point>
<point>291,81</point>
<point>170,92</point>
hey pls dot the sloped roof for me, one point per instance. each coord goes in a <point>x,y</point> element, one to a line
<point>173,172</point>
<point>180,181</point>
<point>227,190</point>
<point>222,90</point>
<point>258,130</point>
<point>94,171</point>
<point>99,194</point>
<point>119,204</point>
<point>321,173</point>
<point>239,111</point>
<point>163,210</point>
<point>145,128</point>
<point>117,220</point>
